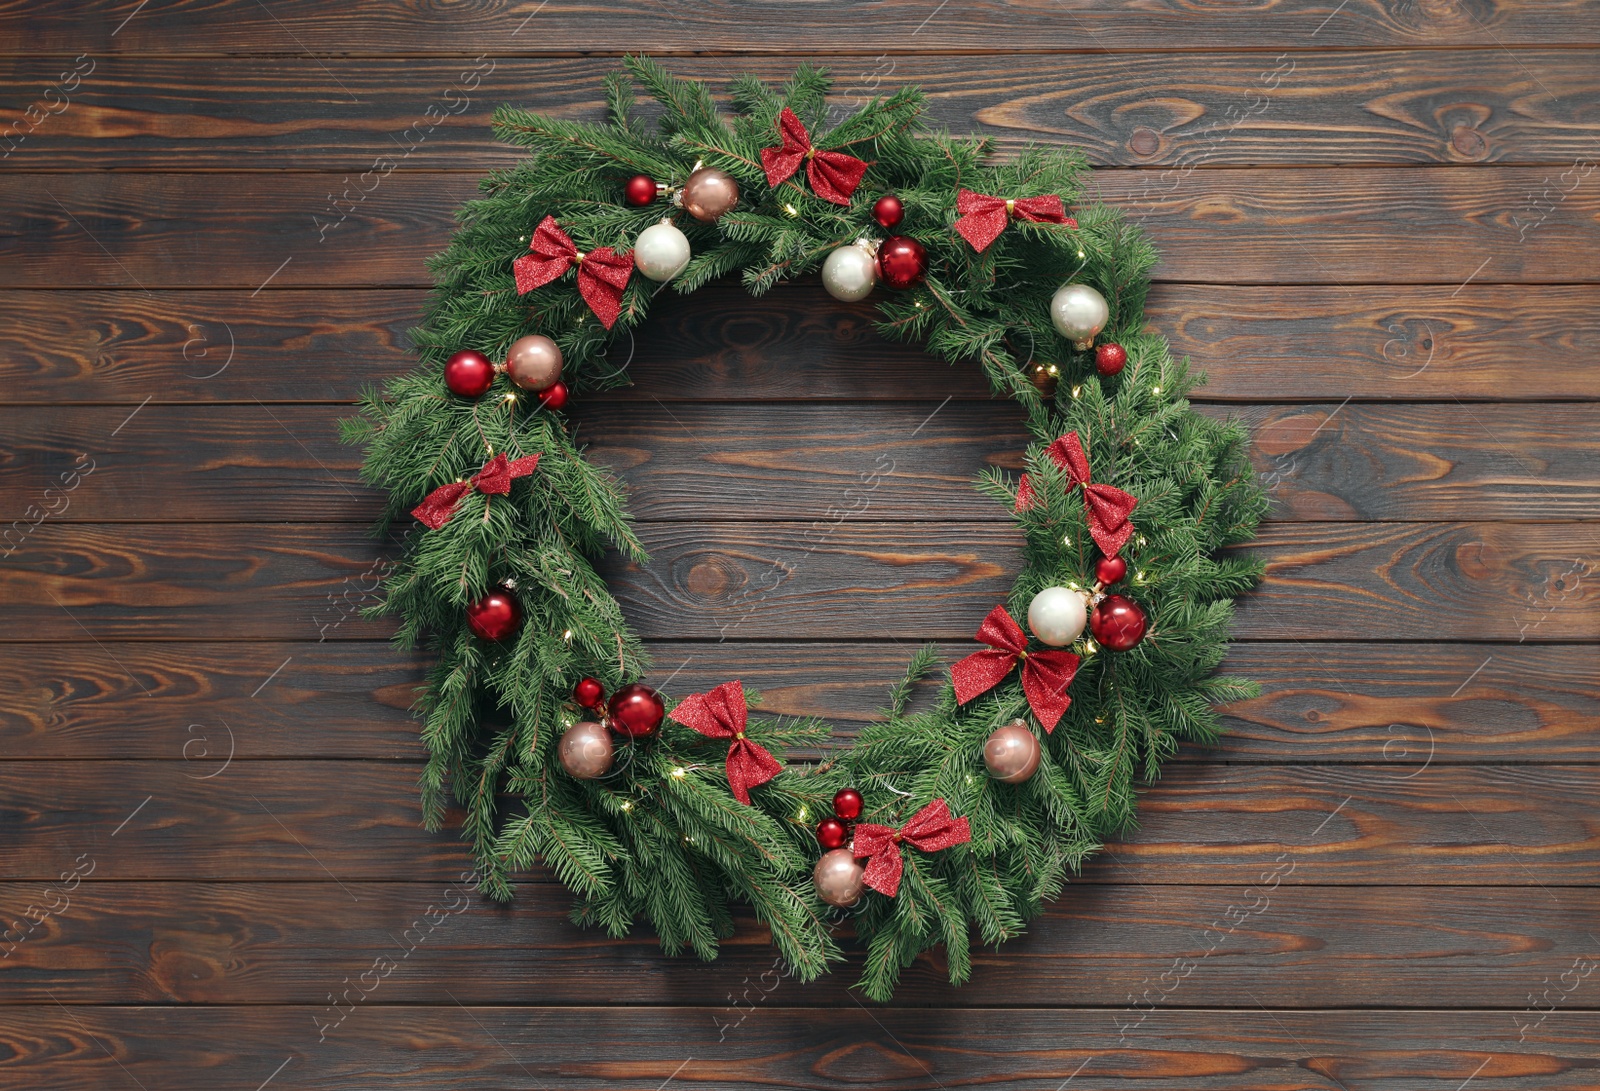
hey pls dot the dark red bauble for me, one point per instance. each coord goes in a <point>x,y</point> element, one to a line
<point>1117,623</point>
<point>469,373</point>
<point>1109,359</point>
<point>1108,570</point>
<point>888,210</point>
<point>831,833</point>
<point>495,616</point>
<point>588,692</point>
<point>553,396</point>
<point>847,804</point>
<point>640,190</point>
<point>636,711</point>
<point>901,261</point>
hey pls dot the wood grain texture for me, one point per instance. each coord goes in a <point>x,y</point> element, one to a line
<point>886,461</point>
<point>1096,946</point>
<point>528,26</point>
<point>423,1048</point>
<point>1321,703</point>
<point>1165,109</point>
<point>1204,822</point>
<point>1254,344</point>
<point>876,582</point>
<point>1438,225</point>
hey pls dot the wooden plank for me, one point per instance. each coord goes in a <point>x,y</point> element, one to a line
<point>1203,823</point>
<point>1284,947</point>
<point>423,1048</point>
<point>888,461</point>
<point>200,702</point>
<point>760,581</point>
<point>1255,344</point>
<point>1163,109</point>
<point>1314,226</point>
<point>529,26</point>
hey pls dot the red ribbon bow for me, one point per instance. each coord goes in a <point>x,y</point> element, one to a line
<point>1045,674</point>
<point>602,273</point>
<point>720,714</point>
<point>493,480</point>
<point>983,217</point>
<point>930,830</point>
<point>1109,508</point>
<point>834,175</point>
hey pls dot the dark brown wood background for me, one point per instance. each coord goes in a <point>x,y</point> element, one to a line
<point>1379,221</point>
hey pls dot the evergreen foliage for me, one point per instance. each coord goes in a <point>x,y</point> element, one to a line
<point>662,838</point>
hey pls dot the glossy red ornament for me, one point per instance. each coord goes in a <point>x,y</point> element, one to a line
<point>1117,622</point>
<point>553,396</point>
<point>847,804</point>
<point>469,373</point>
<point>831,833</point>
<point>1109,359</point>
<point>589,692</point>
<point>901,261</point>
<point>636,711</point>
<point>496,615</point>
<point>888,210</point>
<point>640,190</point>
<point>1108,570</point>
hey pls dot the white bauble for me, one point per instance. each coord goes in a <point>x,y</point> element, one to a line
<point>661,251</point>
<point>1057,615</point>
<point>1079,312</point>
<point>850,272</point>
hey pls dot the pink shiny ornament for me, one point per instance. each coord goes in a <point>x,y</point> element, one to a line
<point>636,711</point>
<point>1118,622</point>
<point>585,750</point>
<point>837,878</point>
<point>534,362</point>
<point>709,193</point>
<point>1012,753</point>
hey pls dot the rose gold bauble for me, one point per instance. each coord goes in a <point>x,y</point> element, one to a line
<point>838,878</point>
<point>709,193</point>
<point>1012,753</point>
<point>534,362</point>
<point>585,750</point>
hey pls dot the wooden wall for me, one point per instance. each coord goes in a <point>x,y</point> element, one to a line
<point>1379,221</point>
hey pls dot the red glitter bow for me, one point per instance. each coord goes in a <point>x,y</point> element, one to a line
<point>983,217</point>
<point>930,830</point>
<point>1045,674</point>
<point>720,714</point>
<point>1109,508</point>
<point>602,273</point>
<point>493,480</point>
<point>834,175</point>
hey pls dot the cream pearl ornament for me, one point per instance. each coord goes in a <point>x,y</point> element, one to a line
<point>585,750</point>
<point>850,272</point>
<point>838,878</point>
<point>1012,753</point>
<point>1078,313</point>
<point>1057,615</point>
<point>661,251</point>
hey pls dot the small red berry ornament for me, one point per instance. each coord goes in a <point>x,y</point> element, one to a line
<point>888,211</point>
<point>831,833</point>
<point>1117,622</point>
<point>1108,570</point>
<point>469,374</point>
<point>640,190</point>
<point>588,692</point>
<point>496,615</point>
<point>847,804</point>
<point>901,261</point>
<point>553,396</point>
<point>636,711</point>
<point>1109,359</point>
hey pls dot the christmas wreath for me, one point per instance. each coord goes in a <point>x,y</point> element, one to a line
<point>939,824</point>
